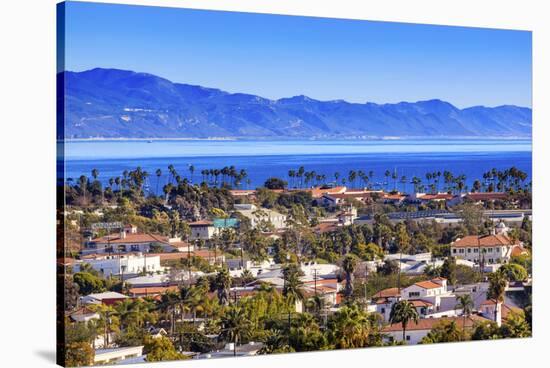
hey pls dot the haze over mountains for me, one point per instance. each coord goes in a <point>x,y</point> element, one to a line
<point>112,103</point>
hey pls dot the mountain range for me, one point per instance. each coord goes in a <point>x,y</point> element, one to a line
<point>113,103</point>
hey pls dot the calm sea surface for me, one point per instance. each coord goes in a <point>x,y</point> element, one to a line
<point>262,159</point>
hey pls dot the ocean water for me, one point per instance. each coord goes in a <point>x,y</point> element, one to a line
<point>263,159</point>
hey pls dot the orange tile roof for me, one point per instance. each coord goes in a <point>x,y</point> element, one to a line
<point>518,251</point>
<point>420,303</point>
<point>438,196</point>
<point>318,192</point>
<point>428,284</point>
<point>487,196</point>
<point>484,241</point>
<point>201,223</point>
<point>154,290</point>
<point>131,238</point>
<point>429,323</point>
<point>391,292</point>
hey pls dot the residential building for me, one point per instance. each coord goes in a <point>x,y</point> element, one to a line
<point>490,249</point>
<point>257,216</point>
<point>417,330</point>
<point>107,298</point>
<point>129,240</point>
<point>118,355</point>
<point>123,264</point>
<point>202,230</point>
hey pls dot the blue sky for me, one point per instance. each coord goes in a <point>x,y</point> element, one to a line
<point>280,56</point>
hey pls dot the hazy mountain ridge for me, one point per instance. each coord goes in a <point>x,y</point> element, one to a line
<point>114,103</point>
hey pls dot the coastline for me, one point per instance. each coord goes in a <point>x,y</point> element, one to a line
<point>283,139</point>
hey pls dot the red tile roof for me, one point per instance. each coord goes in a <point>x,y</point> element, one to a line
<point>131,238</point>
<point>518,251</point>
<point>484,241</point>
<point>487,196</point>
<point>391,292</point>
<point>428,284</point>
<point>437,196</point>
<point>420,303</point>
<point>429,323</point>
<point>151,291</point>
<point>201,223</point>
<point>318,192</point>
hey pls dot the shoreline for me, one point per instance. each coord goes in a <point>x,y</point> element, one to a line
<point>313,139</point>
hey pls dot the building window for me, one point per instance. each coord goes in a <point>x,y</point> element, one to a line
<point>476,250</point>
<point>469,250</point>
<point>454,250</point>
<point>490,250</point>
<point>413,294</point>
<point>408,337</point>
<point>461,251</point>
<point>383,310</point>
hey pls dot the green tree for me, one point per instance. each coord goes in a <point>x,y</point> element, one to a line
<point>78,354</point>
<point>403,312</point>
<point>513,272</point>
<point>235,326</point>
<point>448,270</point>
<point>88,283</point>
<point>161,349</point>
<point>349,328</point>
<point>275,183</point>
<point>444,331</point>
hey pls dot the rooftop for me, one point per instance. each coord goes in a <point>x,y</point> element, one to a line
<point>484,241</point>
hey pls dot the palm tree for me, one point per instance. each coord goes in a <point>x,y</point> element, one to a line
<point>348,265</point>
<point>236,326</point>
<point>466,304</point>
<point>403,312</point>
<point>223,283</point>
<point>497,288</point>
<point>192,171</point>
<point>159,174</point>
<point>292,289</point>
<point>349,328</point>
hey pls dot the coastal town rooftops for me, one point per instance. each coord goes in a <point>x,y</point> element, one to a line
<point>484,241</point>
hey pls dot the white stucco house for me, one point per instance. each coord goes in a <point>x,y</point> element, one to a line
<point>127,264</point>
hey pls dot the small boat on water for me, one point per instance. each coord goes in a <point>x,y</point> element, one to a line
<point>150,141</point>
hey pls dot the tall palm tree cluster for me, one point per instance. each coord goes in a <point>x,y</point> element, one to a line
<point>435,181</point>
